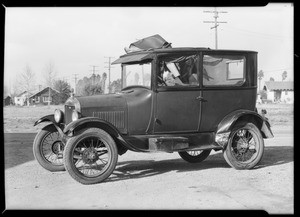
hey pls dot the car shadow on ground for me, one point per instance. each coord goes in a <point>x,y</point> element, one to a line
<point>273,156</point>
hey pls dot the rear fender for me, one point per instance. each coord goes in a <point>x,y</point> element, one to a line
<point>75,127</point>
<point>226,125</point>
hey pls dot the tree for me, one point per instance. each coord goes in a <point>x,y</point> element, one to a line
<point>115,86</point>
<point>104,77</point>
<point>284,75</point>
<point>65,91</point>
<point>5,91</point>
<point>90,86</point>
<point>50,74</point>
<point>260,76</point>
<point>26,81</point>
<point>272,79</point>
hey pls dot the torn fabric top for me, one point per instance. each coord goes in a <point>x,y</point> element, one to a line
<point>154,41</point>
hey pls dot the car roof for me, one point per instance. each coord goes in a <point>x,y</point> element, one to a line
<point>146,53</point>
<point>185,49</point>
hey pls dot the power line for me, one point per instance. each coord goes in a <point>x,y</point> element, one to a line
<point>258,33</point>
<point>94,69</point>
<point>216,23</point>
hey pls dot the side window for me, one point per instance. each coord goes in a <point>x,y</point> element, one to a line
<point>223,70</point>
<point>178,71</point>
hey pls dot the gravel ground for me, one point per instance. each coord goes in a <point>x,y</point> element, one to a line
<point>156,181</point>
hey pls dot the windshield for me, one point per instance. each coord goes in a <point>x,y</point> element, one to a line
<point>136,74</point>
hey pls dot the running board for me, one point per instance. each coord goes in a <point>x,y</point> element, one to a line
<point>168,144</point>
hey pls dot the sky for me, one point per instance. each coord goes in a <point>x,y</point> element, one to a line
<point>74,39</point>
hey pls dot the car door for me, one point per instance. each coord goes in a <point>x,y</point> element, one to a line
<point>227,85</point>
<point>178,107</point>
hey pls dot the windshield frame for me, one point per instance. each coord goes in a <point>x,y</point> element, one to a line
<point>123,68</point>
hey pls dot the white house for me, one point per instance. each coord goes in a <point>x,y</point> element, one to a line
<point>21,98</point>
<point>280,91</point>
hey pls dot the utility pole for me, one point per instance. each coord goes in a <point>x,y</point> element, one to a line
<point>94,67</point>
<point>75,78</point>
<point>216,23</point>
<point>109,67</point>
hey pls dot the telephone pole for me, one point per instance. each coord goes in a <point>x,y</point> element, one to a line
<point>94,67</point>
<point>216,23</point>
<point>109,67</point>
<point>75,78</point>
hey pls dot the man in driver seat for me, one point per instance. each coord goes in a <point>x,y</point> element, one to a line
<point>170,74</point>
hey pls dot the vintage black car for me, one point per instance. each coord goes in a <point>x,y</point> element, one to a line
<point>185,100</point>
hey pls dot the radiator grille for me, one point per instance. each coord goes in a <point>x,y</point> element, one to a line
<point>68,113</point>
<point>116,118</point>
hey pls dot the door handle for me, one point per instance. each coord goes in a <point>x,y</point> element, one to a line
<point>201,99</point>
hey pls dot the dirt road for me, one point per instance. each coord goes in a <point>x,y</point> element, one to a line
<point>155,181</point>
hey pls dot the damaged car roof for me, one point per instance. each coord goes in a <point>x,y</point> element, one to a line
<point>149,54</point>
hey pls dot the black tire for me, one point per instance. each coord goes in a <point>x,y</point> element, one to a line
<point>48,149</point>
<point>245,146</point>
<point>194,156</point>
<point>84,153</point>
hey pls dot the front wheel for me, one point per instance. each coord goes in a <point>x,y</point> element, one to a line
<point>194,156</point>
<point>48,149</point>
<point>91,156</point>
<point>245,146</point>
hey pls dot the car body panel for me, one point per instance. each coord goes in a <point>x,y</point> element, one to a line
<point>177,111</point>
<point>213,112</point>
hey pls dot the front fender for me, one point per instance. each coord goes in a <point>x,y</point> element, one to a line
<point>73,128</point>
<point>49,118</point>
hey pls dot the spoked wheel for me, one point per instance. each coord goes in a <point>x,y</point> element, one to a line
<point>245,147</point>
<point>91,156</point>
<point>48,149</point>
<point>194,156</point>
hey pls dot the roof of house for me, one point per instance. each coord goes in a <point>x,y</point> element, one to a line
<point>45,89</point>
<point>6,96</point>
<point>23,93</point>
<point>279,85</point>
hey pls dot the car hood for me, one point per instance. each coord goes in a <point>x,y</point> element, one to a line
<point>109,107</point>
<point>103,102</point>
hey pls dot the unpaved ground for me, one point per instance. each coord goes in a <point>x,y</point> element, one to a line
<point>155,181</point>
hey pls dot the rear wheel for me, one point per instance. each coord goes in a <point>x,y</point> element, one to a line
<point>194,156</point>
<point>245,146</point>
<point>91,156</point>
<point>48,149</point>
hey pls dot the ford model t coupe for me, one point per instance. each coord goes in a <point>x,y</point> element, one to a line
<point>185,100</point>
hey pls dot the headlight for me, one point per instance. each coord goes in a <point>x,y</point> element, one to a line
<point>72,101</point>
<point>58,115</point>
<point>75,115</point>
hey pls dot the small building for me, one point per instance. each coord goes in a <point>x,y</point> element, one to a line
<point>42,97</point>
<point>280,91</point>
<point>7,100</point>
<point>21,99</point>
